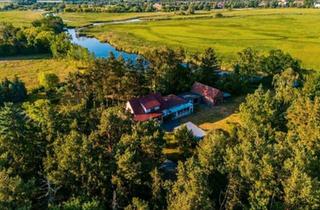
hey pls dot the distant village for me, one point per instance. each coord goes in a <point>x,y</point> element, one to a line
<point>158,5</point>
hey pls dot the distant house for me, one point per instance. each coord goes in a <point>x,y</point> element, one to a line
<point>155,106</point>
<point>196,131</point>
<point>210,95</point>
<point>282,3</point>
<point>157,6</point>
<point>298,3</point>
<point>50,1</point>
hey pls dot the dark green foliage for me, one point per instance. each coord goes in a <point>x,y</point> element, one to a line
<point>50,23</point>
<point>15,41</point>
<point>185,140</point>
<point>278,61</point>
<point>137,155</point>
<point>168,75</point>
<point>14,192</point>
<point>190,191</point>
<point>12,91</point>
<point>207,65</point>
<point>45,37</point>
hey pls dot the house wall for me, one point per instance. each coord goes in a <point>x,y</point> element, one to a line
<point>183,112</point>
<point>129,108</point>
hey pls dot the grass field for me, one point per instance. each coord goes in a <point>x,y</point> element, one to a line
<point>296,31</point>
<point>19,18</point>
<point>28,68</point>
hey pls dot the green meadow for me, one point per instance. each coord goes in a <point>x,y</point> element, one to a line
<point>296,31</point>
<point>19,18</point>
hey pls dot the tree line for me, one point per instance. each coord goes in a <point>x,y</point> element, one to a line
<point>148,6</point>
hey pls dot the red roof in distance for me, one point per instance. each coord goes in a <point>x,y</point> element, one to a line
<point>211,95</point>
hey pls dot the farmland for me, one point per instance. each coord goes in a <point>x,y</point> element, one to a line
<point>295,31</point>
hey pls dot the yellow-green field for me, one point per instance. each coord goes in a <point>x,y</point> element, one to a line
<point>296,31</point>
<point>28,69</point>
<point>19,18</point>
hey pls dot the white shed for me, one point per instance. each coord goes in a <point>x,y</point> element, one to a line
<point>196,131</point>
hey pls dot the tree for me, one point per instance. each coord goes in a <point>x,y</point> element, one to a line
<point>190,191</point>
<point>48,80</point>
<point>12,91</point>
<point>60,46</point>
<point>285,85</point>
<point>136,156</point>
<point>312,86</point>
<point>50,23</point>
<point>208,64</point>
<point>248,63</point>
<point>191,9</point>
<point>21,157</point>
<point>185,140</point>
<point>114,123</point>
<point>138,204</point>
<point>14,192</point>
<point>21,147</point>
<point>278,61</point>
<point>81,166</point>
<point>309,3</point>
<point>168,75</point>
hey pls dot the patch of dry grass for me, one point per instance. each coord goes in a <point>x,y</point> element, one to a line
<point>217,117</point>
<point>28,68</point>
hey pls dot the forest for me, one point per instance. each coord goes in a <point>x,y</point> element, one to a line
<point>71,144</point>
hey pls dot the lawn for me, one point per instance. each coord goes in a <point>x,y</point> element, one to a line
<point>296,31</point>
<point>28,68</point>
<point>217,117</point>
<point>19,18</point>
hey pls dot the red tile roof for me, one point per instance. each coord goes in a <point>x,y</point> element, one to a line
<point>210,95</point>
<point>172,101</point>
<point>151,101</point>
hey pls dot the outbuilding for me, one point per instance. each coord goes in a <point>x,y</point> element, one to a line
<point>197,132</point>
<point>210,95</point>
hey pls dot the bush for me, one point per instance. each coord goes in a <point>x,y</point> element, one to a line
<point>48,80</point>
<point>219,15</point>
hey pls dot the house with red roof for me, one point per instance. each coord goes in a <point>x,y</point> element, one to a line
<point>210,95</point>
<point>156,106</point>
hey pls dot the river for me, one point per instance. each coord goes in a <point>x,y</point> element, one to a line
<point>98,48</point>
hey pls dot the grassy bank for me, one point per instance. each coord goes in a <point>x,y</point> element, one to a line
<point>28,68</point>
<point>295,31</point>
